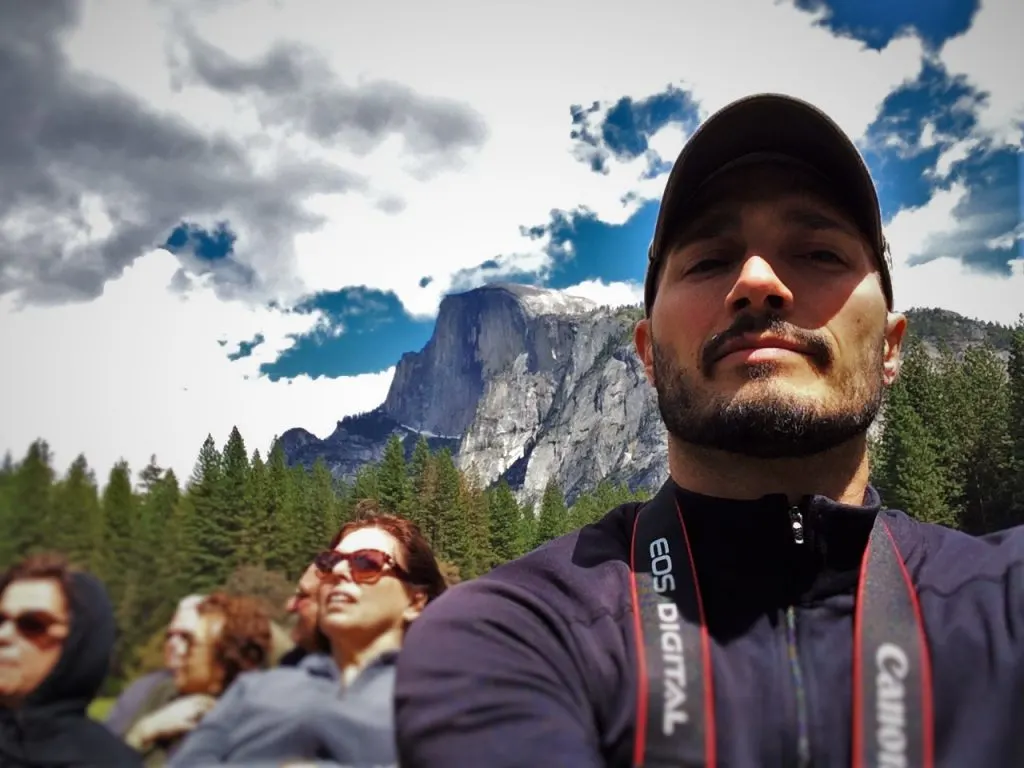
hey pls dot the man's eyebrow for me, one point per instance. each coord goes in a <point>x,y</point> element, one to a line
<point>707,226</point>
<point>814,220</point>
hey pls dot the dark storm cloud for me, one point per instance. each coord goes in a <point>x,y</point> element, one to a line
<point>71,143</point>
<point>294,88</point>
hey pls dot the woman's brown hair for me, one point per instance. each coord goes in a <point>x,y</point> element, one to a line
<point>420,562</point>
<point>243,643</point>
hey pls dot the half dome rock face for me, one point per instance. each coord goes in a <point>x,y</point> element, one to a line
<point>479,335</point>
<point>528,384</point>
<point>578,409</point>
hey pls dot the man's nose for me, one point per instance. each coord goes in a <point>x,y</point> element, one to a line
<point>759,287</point>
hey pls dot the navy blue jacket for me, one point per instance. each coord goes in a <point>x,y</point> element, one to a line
<point>534,664</point>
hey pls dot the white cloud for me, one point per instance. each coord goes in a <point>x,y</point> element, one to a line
<point>990,54</point>
<point>607,294</point>
<point>944,281</point>
<point>140,371</point>
<point>951,155</point>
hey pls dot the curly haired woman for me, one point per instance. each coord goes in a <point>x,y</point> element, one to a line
<point>232,636</point>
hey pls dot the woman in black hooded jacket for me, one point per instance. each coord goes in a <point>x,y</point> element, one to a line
<point>49,726</point>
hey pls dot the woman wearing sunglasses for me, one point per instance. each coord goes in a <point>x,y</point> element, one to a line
<point>56,637</point>
<point>377,576</point>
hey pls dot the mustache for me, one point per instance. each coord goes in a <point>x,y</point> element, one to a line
<point>818,349</point>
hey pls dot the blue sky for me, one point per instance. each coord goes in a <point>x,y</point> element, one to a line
<point>876,22</point>
<point>244,215</point>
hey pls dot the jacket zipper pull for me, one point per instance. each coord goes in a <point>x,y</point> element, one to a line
<point>797,521</point>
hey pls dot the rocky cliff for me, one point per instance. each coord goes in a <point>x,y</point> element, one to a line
<point>525,383</point>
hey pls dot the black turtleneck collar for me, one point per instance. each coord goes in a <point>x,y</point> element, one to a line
<point>748,560</point>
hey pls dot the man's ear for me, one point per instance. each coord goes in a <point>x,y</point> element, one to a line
<point>895,332</point>
<point>644,344</point>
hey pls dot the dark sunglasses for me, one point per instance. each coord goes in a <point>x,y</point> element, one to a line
<point>367,565</point>
<point>32,625</point>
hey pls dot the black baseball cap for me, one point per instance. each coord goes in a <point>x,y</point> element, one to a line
<point>779,126</point>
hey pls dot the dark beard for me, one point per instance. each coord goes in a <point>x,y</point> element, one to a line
<point>775,426</point>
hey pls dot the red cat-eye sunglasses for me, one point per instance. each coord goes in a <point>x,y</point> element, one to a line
<point>366,565</point>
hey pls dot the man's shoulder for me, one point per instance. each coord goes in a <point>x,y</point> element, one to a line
<point>949,559</point>
<point>535,646</point>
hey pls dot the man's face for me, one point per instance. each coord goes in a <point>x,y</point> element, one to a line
<point>304,605</point>
<point>33,626</point>
<point>768,261</point>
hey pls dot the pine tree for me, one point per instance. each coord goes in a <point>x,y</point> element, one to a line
<point>528,525</point>
<point>912,477</point>
<point>366,485</point>
<point>1015,481</point>
<point>234,501</point>
<point>506,528</point>
<point>301,534</point>
<point>325,504</point>
<point>478,558</point>
<point>583,511</point>
<point>422,481</point>
<point>256,525</point>
<point>211,534</point>
<point>179,568</point>
<point>8,519</point>
<point>986,448</point>
<point>450,534</point>
<point>78,521</point>
<point>553,520</point>
<point>120,561</point>
<point>926,383</point>
<point>31,503</point>
<point>392,478</point>
<point>280,512</point>
<point>152,609</point>
<point>345,502</point>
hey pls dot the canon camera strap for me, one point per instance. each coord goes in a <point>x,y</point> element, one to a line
<point>675,723</point>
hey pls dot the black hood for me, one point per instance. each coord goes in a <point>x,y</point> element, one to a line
<point>51,727</point>
<point>85,661</point>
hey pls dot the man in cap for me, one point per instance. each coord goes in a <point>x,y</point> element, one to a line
<point>764,608</point>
